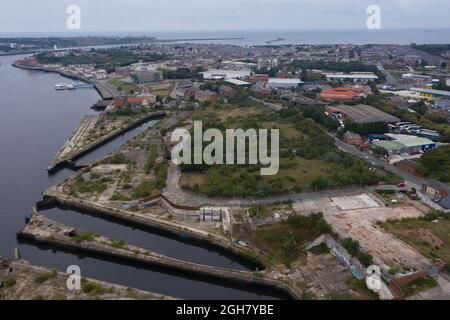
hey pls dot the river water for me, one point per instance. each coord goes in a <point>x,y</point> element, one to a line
<point>35,121</point>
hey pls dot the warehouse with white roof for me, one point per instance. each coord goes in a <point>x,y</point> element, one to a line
<point>282,83</point>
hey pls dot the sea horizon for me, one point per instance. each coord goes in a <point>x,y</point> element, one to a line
<point>261,37</point>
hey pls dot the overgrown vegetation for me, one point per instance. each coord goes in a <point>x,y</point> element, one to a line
<point>152,154</point>
<point>9,282</point>
<point>94,288</point>
<point>353,248</point>
<point>436,164</point>
<point>96,184</point>
<point>435,222</point>
<point>309,159</point>
<point>44,276</point>
<point>83,236</point>
<point>419,285</point>
<point>284,241</point>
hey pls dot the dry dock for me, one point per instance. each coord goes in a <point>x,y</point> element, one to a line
<point>74,148</point>
<point>54,196</point>
<point>20,280</point>
<point>45,231</point>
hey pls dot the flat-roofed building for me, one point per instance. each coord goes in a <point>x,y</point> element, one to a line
<point>341,94</point>
<point>357,77</point>
<point>259,78</point>
<point>428,93</point>
<point>365,114</point>
<point>238,83</point>
<point>405,144</point>
<point>217,74</point>
<point>279,83</point>
<point>416,77</point>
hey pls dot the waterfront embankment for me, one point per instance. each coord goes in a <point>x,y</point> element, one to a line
<point>47,232</point>
<point>55,196</point>
<point>65,158</point>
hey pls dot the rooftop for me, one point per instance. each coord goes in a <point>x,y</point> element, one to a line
<point>410,141</point>
<point>285,80</point>
<point>238,82</point>
<point>432,91</point>
<point>366,114</point>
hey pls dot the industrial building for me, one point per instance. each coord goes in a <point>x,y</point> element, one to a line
<point>400,144</point>
<point>430,93</point>
<point>280,83</point>
<point>239,83</point>
<point>259,78</point>
<point>341,94</point>
<point>416,77</point>
<point>362,114</point>
<point>217,74</point>
<point>357,77</point>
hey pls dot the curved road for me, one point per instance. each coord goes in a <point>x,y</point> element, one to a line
<point>176,194</point>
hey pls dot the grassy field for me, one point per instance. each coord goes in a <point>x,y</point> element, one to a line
<point>128,88</point>
<point>404,230</point>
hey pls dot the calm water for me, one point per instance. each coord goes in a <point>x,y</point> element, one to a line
<point>383,36</point>
<point>363,36</point>
<point>35,120</point>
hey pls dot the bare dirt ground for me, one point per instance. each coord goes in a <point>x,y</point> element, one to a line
<point>356,217</point>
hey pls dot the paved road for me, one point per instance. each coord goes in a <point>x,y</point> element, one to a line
<point>413,181</point>
<point>174,192</point>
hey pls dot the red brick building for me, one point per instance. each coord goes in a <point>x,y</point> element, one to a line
<point>205,95</point>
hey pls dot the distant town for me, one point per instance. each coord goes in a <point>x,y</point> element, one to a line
<point>364,175</point>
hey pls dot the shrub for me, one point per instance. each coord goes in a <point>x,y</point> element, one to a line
<point>43,277</point>
<point>9,282</point>
<point>352,246</point>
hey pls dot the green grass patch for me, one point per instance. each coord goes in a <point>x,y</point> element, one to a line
<point>151,159</point>
<point>128,88</point>
<point>94,289</point>
<point>9,283</point>
<point>45,276</point>
<point>83,236</point>
<point>419,285</point>
<point>119,244</point>
<point>320,249</point>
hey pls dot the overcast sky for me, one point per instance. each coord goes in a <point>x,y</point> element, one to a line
<point>187,15</point>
